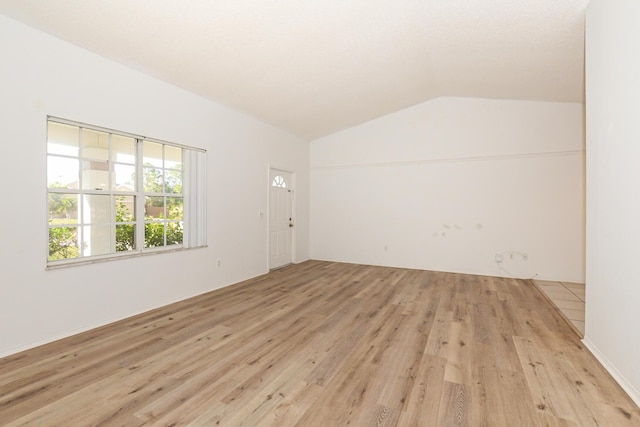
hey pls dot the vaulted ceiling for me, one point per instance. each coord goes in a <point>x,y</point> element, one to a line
<point>314,67</point>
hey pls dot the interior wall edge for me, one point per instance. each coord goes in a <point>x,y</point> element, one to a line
<point>627,386</point>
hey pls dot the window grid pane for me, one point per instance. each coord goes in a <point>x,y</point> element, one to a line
<point>62,172</point>
<point>63,139</point>
<point>63,208</point>
<point>95,145</point>
<point>125,237</point>
<point>63,243</point>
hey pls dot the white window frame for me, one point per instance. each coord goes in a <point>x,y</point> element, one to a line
<point>193,196</point>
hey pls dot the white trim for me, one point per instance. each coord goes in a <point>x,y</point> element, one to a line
<point>266,217</point>
<point>633,393</point>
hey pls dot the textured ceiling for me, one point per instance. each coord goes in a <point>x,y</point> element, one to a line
<point>318,66</point>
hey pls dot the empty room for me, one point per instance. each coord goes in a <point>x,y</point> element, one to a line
<point>245,213</point>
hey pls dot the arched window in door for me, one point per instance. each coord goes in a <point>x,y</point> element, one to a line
<point>279,181</point>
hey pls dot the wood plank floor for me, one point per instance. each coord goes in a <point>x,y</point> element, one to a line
<point>325,344</point>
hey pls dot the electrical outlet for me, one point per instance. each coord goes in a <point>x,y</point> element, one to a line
<point>499,258</point>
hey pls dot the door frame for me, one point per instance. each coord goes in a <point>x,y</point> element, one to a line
<point>292,242</point>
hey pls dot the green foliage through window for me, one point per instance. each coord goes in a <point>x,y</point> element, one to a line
<point>63,243</point>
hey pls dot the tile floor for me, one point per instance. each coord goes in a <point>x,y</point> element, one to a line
<point>568,299</point>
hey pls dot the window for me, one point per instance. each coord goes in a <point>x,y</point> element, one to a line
<point>279,182</point>
<point>112,194</point>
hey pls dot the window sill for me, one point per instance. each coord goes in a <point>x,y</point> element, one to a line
<point>55,265</point>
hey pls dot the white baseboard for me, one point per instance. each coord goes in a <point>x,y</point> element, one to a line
<point>633,393</point>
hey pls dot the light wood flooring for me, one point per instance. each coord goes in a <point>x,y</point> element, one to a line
<point>325,344</point>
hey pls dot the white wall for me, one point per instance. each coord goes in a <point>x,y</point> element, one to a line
<point>41,75</point>
<point>613,188</point>
<point>447,184</point>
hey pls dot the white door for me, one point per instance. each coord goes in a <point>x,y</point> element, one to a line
<point>280,218</point>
